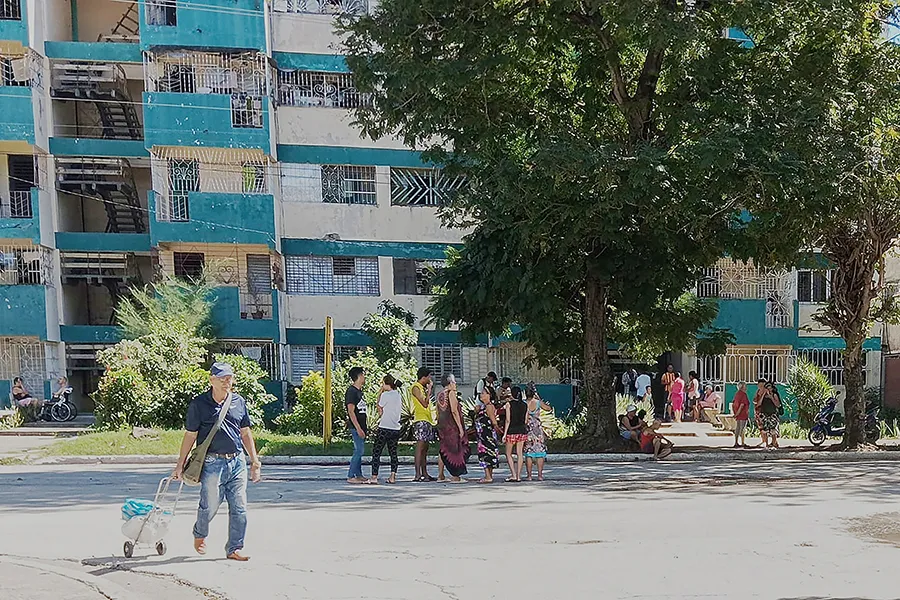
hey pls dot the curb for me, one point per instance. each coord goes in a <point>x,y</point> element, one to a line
<point>105,588</point>
<point>576,459</point>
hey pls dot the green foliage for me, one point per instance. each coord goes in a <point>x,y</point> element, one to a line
<point>126,399</point>
<point>392,334</point>
<point>305,416</point>
<point>170,303</point>
<point>248,378</point>
<point>809,388</point>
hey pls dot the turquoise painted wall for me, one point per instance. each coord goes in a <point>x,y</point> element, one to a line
<point>747,321</point>
<point>24,228</point>
<point>90,334</point>
<point>96,147</point>
<point>102,242</point>
<point>420,250</point>
<point>229,24</point>
<point>97,51</point>
<point>331,63</point>
<point>16,113</point>
<point>199,120</point>
<point>226,315</point>
<point>23,310</point>
<point>345,155</point>
<point>5,390</point>
<point>355,337</point>
<point>219,218</point>
<point>16,31</point>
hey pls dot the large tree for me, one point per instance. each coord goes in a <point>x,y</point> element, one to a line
<point>606,164</point>
<point>831,99</point>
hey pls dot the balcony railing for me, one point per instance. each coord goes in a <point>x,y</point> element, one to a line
<point>256,306</point>
<point>326,7</point>
<point>319,89</point>
<point>16,206</point>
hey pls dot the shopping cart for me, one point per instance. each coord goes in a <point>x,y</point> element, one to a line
<point>151,525</point>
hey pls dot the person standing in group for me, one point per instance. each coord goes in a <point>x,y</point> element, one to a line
<point>483,383</point>
<point>668,380</point>
<point>693,395</point>
<point>535,446</point>
<point>389,406</point>
<point>423,422</point>
<point>629,383</point>
<point>659,396</point>
<point>515,434</point>
<point>356,422</point>
<point>224,472</point>
<point>676,397</point>
<point>764,404</point>
<point>740,408</point>
<point>486,429</point>
<point>454,443</point>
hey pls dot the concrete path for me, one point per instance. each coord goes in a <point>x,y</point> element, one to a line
<point>785,530</point>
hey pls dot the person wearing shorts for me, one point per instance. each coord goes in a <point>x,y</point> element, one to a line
<point>740,407</point>
<point>423,422</point>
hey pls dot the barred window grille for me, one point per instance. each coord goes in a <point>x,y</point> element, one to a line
<point>709,286</point>
<point>423,187</point>
<point>184,178</point>
<point>161,12</point>
<point>332,276</point>
<point>189,265</point>
<point>14,71</point>
<point>29,359</point>
<point>413,277</point>
<point>329,7</point>
<point>25,265</point>
<point>779,312</point>
<point>443,359</point>
<point>11,10</point>
<point>246,112</point>
<point>17,206</point>
<point>830,361</point>
<point>319,89</point>
<point>265,353</point>
<point>254,179</point>
<point>813,286</point>
<point>306,359</point>
<point>348,184</point>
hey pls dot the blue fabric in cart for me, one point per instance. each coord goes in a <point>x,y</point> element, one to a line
<point>134,507</point>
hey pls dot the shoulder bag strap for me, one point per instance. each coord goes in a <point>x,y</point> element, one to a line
<point>223,412</point>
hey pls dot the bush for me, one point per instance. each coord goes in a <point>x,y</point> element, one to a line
<point>305,416</point>
<point>123,398</point>
<point>808,389</point>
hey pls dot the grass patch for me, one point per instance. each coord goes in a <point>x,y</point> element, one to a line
<point>167,443</point>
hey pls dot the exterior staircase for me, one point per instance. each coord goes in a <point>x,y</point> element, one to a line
<point>105,85</point>
<point>127,30</point>
<point>110,180</point>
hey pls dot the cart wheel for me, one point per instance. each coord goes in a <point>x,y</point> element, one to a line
<point>129,549</point>
<point>160,548</point>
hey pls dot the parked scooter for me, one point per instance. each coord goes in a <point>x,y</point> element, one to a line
<point>824,424</point>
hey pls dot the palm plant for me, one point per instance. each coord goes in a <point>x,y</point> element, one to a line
<point>809,387</point>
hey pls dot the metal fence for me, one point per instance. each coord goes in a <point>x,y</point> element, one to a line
<point>751,364</point>
<point>190,72</point>
<point>328,7</point>
<point>16,206</point>
<point>319,89</point>
<point>25,265</point>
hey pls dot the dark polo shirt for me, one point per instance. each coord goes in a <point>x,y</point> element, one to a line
<point>202,414</point>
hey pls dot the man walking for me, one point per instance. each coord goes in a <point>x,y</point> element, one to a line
<point>224,474</point>
<point>356,421</point>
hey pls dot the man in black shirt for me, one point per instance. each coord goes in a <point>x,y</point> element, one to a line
<point>224,474</point>
<point>356,421</point>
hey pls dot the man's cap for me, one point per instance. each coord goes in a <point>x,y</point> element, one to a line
<point>221,369</point>
<point>631,408</point>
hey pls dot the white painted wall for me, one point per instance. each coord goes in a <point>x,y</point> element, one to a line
<point>56,20</point>
<point>301,32</point>
<point>315,126</point>
<point>348,311</point>
<point>809,327</point>
<point>98,17</point>
<point>304,215</point>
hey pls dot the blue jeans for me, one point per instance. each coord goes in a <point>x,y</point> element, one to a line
<point>359,445</point>
<point>224,479</point>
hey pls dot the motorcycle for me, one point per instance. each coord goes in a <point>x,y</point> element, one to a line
<point>824,426</point>
<point>59,408</point>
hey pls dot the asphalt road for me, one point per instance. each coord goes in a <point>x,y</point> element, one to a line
<point>781,530</point>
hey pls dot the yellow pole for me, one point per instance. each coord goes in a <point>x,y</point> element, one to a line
<point>329,351</point>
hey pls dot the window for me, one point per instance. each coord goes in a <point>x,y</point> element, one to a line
<point>423,187</point>
<point>413,277</point>
<point>305,359</point>
<point>814,286</point>
<point>259,274</point>
<point>14,71</point>
<point>10,10</point>
<point>178,79</point>
<point>443,359</point>
<point>332,276</point>
<point>246,111</point>
<point>347,184</point>
<point>161,12</point>
<point>253,179</point>
<point>184,178</point>
<point>189,265</point>
<point>318,88</point>
<point>709,285</point>
<point>830,361</point>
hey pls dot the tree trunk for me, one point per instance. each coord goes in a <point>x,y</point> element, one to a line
<point>601,431</point>
<point>855,399</point>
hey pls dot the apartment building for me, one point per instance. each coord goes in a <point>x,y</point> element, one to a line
<point>162,136</point>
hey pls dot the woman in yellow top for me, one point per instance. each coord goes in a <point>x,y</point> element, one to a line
<point>423,422</point>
